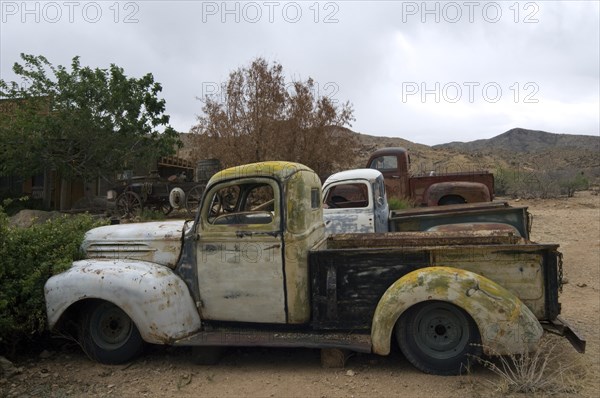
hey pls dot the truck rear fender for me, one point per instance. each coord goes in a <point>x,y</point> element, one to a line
<point>154,297</point>
<point>470,192</point>
<point>505,324</point>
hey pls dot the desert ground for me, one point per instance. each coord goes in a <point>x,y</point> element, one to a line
<point>61,369</point>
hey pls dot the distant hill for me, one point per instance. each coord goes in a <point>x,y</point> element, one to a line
<point>515,149</point>
<point>523,140</point>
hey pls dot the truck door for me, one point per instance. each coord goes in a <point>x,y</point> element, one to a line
<point>394,171</point>
<point>240,261</point>
<point>381,211</point>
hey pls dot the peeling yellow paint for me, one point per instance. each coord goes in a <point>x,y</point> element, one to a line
<point>505,324</point>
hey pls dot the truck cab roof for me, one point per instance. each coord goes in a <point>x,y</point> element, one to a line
<point>356,174</point>
<point>279,170</point>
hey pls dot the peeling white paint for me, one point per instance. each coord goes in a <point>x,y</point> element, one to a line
<point>156,242</point>
<point>155,298</point>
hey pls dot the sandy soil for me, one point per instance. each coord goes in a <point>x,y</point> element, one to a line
<point>258,372</point>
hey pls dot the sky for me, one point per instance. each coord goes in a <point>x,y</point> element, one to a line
<point>429,72</point>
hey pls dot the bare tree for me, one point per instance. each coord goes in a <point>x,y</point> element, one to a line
<point>258,118</point>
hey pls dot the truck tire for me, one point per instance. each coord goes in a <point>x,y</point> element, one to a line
<point>108,335</point>
<point>438,338</point>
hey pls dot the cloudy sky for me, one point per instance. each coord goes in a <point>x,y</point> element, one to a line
<point>430,72</point>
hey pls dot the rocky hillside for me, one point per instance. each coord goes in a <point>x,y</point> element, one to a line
<point>523,140</point>
<point>515,149</point>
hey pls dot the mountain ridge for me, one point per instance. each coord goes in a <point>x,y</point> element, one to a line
<point>517,148</point>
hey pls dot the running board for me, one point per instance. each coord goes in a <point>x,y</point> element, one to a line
<point>560,327</point>
<point>261,338</point>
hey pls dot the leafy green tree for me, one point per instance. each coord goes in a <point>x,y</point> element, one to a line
<point>258,116</point>
<point>80,122</point>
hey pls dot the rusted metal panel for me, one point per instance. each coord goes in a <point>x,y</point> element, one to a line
<point>440,192</point>
<point>422,219</point>
<point>156,242</point>
<point>399,240</point>
<point>560,327</point>
<point>505,324</point>
<point>498,228</point>
<point>232,336</point>
<point>347,285</point>
<point>521,273</point>
<point>154,297</point>
<point>474,182</point>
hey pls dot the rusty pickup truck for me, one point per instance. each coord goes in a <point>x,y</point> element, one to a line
<point>256,268</point>
<point>432,188</point>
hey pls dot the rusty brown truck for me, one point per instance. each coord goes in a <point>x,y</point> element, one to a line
<point>434,188</point>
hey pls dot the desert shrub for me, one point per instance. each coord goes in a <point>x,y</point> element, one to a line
<point>570,183</point>
<point>543,371</point>
<point>541,183</point>
<point>400,203</point>
<point>28,258</point>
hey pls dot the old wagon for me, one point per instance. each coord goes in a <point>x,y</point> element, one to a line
<point>175,184</point>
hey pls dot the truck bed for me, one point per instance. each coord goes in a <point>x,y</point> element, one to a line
<point>424,218</point>
<point>350,272</point>
<point>418,184</point>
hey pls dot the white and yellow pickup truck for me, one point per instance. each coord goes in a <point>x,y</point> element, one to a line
<point>355,201</point>
<point>256,268</point>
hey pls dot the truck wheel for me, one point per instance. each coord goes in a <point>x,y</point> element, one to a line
<point>108,335</point>
<point>193,197</point>
<point>438,337</point>
<point>129,203</point>
<point>165,208</point>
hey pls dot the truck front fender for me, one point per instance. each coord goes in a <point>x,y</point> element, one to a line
<point>505,324</point>
<point>470,192</point>
<point>154,297</point>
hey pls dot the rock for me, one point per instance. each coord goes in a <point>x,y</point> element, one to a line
<point>334,357</point>
<point>350,373</point>
<point>27,218</point>
<point>7,369</point>
<point>45,354</point>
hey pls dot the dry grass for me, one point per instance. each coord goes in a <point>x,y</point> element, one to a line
<point>550,370</point>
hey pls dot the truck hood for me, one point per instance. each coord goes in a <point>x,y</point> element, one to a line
<point>157,242</point>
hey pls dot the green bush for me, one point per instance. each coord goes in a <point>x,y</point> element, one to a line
<point>28,258</point>
<point>398,203</point>
<point>540,183</point>
<point>13,205</point>
<point>571,183</point>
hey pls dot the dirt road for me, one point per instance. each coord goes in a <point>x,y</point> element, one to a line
<point>257,372</point>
